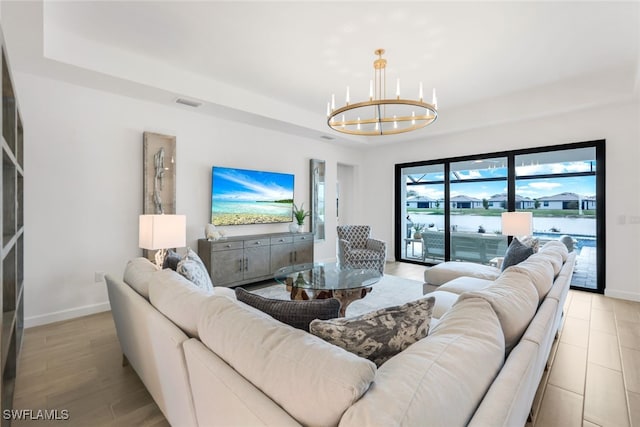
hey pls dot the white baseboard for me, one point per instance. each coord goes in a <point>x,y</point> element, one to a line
<point>72,313</point>
<point>631,296</point>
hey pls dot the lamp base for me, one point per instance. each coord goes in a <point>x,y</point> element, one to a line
<point>161,254</point>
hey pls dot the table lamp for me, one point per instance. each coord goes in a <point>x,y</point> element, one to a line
<point>161,232</point>
<point>517,223</point>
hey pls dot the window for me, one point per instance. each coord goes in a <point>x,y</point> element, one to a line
<point>450,209</point>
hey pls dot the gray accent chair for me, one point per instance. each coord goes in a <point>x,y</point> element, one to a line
<point>356,249</point>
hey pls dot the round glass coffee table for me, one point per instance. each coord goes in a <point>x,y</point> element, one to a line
<point>327,280</point>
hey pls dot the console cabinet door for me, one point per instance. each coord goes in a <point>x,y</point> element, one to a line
<point>281,256</point>
<point>303,249</point>
<point>256,262</point>
<point>227,267</point>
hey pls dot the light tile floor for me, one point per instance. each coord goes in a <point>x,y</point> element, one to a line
<point>594,377</point>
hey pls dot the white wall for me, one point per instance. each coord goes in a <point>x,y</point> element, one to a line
<point>619,125</point>
<point>83,184</point>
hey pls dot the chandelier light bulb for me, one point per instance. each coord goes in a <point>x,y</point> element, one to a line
<point>358,127</point>
<point>395,123</point>
<point>413,117</point>
<point>435,99</point>
<point>347,95</point>
<point>343,120</point>
<point>370,90</point>
<point>328,109</point>
<point>420,95</point>
<point>333,102</point>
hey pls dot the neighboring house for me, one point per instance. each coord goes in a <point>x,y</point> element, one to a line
<point>465,202</point>
<point>565,201</point>
<point>589,202</point>
<point>499,201</point>
<point>421,202</point>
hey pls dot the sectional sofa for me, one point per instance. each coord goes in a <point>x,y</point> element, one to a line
<point>208,359</point>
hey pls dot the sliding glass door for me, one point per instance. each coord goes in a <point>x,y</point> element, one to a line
<point>560,189</point>
<point>450,209</point>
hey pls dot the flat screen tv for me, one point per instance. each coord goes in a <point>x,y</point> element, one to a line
<point>241,196</point>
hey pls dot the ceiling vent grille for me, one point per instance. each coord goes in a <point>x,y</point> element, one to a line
<point>188,102</point>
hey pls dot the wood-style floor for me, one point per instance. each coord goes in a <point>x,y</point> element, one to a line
<point>594,379</point>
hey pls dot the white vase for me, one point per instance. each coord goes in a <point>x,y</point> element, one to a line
<point>293,227</point>
<point>300,228</point>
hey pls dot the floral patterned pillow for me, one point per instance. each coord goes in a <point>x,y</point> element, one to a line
<point>381,334</point>
<point>192,268</point>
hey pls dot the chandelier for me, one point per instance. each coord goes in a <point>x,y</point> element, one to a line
<point>380,115</point>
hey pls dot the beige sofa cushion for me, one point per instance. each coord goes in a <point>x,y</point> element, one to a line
<point>540,272</point>
<point>514,299</point>
<point>440,380</point>
<point>444,302</point>
<point>137,274</point>
<point>444,272</point>
<point>465,284</point>
<point>314,381</point>
<point>556,246</point>
<point>553,257</point>
<point>178,299</point>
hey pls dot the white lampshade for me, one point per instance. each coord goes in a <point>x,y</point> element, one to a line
<point>162,231</point>
<point>517,223</point>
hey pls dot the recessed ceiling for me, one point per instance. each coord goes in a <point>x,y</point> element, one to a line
<point>283,60</point>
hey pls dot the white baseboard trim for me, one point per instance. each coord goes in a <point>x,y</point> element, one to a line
<point>631,296</point>
<point>57,316</point>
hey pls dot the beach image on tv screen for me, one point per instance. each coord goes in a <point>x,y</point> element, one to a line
<point>240,196</point>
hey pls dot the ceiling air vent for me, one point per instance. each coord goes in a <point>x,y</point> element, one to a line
<point>189,102</point>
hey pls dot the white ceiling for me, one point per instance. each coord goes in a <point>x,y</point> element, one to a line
<point>277,63</point>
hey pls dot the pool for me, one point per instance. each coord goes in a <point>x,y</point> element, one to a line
<point>583,240</point>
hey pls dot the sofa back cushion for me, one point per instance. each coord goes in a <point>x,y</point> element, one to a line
<point>556,246</point>
<point>178,299</point>
<point>137,274</point>
<point>314,381</point>
<point>540,271</point>
<point>441,379</point>
<point>553,257</point>
<point>514,300</point>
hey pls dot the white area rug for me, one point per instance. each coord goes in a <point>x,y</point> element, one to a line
<point>389,291</point>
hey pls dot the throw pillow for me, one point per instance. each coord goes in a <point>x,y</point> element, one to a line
<point>295,313</point>
<point>381,334</point>
<point>171,260</point>
<point>532,242</point>
<point>516,253</point>
<point>193,269</point>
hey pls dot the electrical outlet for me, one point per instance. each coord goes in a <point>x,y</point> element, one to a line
<point>99,277</point>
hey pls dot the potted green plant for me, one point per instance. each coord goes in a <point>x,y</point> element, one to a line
<point>417,231</point>
<point>300,214</point>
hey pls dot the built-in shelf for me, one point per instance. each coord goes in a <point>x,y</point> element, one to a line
<point>12,247</point>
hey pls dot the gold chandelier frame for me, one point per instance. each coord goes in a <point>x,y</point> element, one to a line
<point>375,109</point>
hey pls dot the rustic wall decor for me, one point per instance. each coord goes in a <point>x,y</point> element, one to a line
<point>159,176</point>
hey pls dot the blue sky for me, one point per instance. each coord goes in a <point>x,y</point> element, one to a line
<point>246,185</point>
<point>532,188</point>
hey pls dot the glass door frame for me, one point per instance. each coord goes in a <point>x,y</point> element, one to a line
<point>599,145</point>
